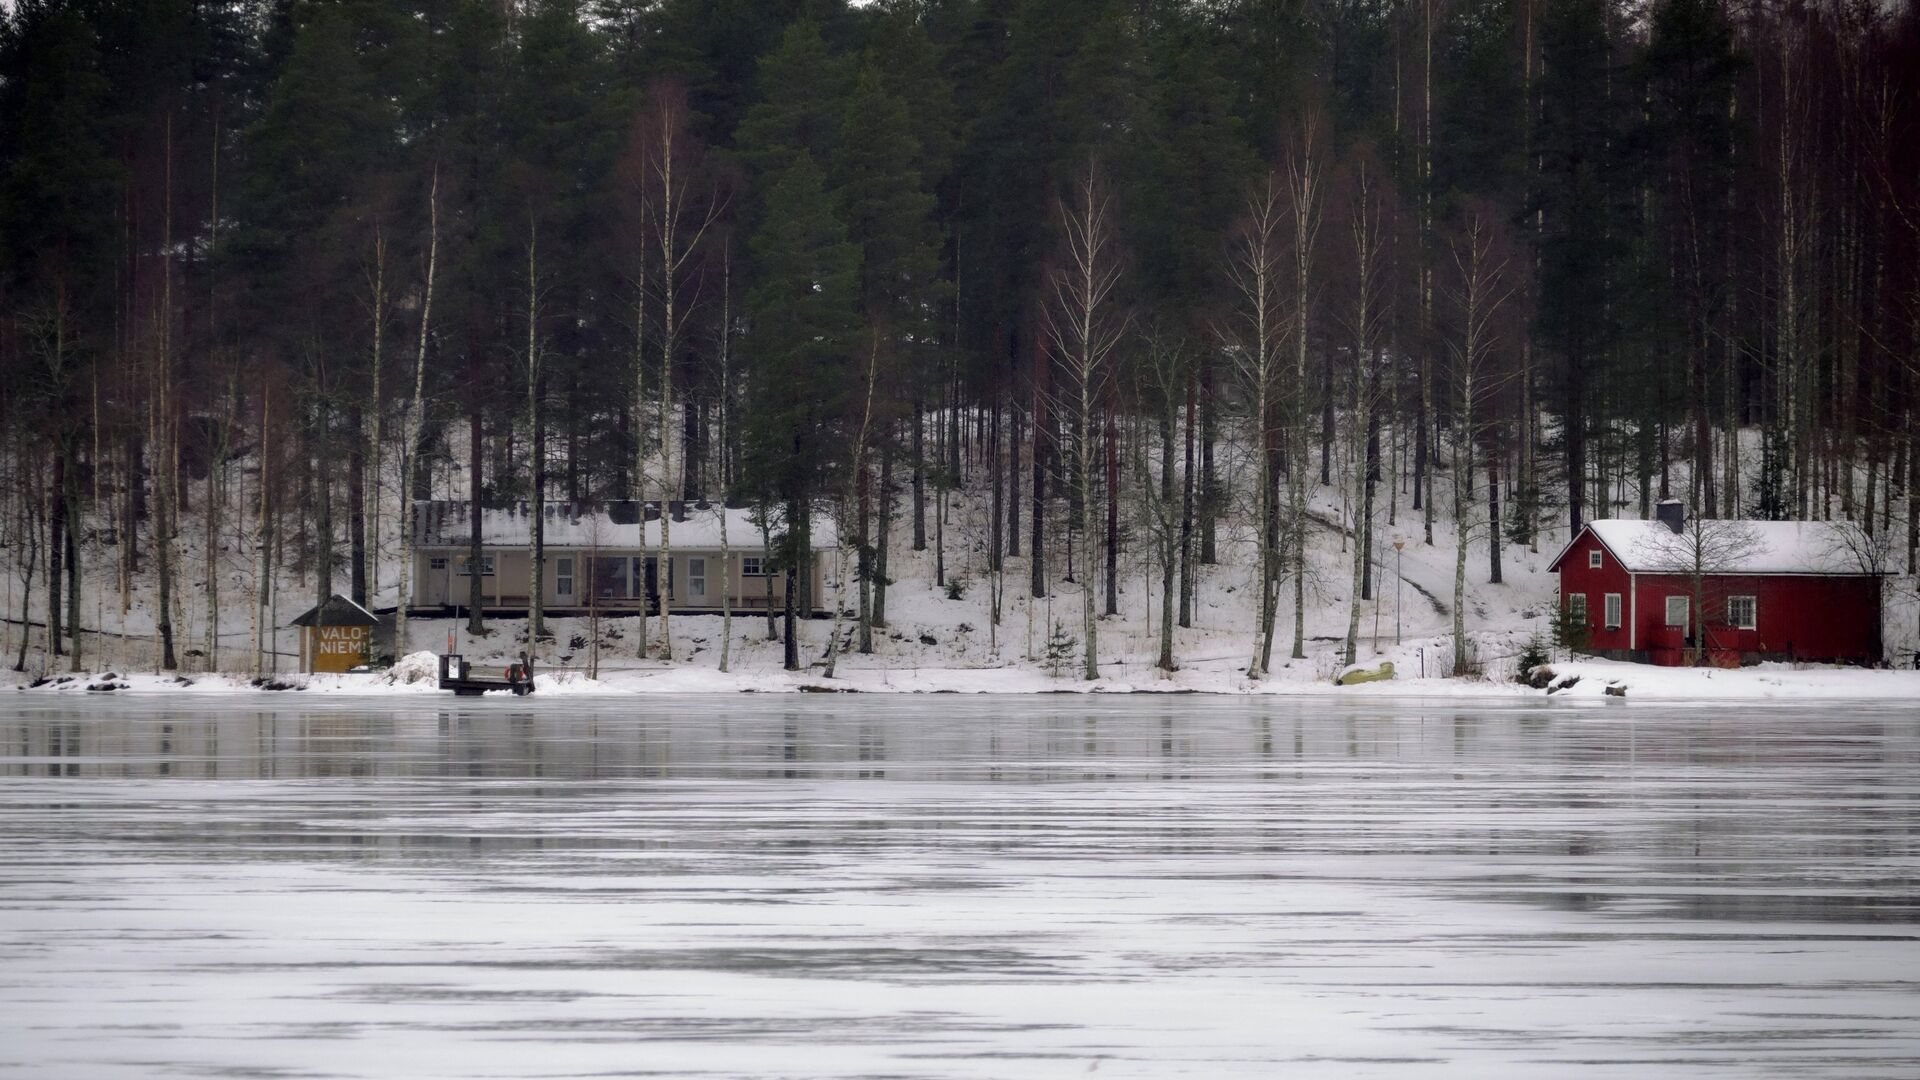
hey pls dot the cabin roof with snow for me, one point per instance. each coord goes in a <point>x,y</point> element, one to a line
<point>614,526</point>
<point>1824,548</point>
<point>337,611</point>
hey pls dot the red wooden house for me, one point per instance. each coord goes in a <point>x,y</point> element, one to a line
<point>1771,590</point>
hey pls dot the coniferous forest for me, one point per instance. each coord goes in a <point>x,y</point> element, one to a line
<point>1141,280</point>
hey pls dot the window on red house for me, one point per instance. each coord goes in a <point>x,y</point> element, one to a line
<point>1743,612</point>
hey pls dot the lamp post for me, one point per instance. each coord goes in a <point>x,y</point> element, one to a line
<point>1399,543</point>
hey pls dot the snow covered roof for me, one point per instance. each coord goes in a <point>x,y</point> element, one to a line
<point>337,611</point>
<point>614,526</point>
<point>1731,546</point>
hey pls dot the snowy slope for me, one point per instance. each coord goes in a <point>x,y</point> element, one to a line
<point>935,642</point>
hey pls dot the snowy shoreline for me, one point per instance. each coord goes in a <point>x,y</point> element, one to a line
<point>1578,679</point>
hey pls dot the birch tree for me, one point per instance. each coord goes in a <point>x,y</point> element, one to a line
<point>677,220</point>
<point>416,412</point>
<point>1479,295</point>
<point>1366,236</point>
<point>163,430</point>
<point>1255,267</point>
<point>1084,326</point>
<point>1304,197</point>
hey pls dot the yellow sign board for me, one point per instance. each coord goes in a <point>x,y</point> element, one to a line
<point>337,648</point>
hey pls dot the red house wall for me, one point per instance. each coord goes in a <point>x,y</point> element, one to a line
<point>1610,577</point>
<point>1805,617</point>
<point>1802,617</point>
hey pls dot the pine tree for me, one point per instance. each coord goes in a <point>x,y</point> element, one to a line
<point>1580,245</point>
<point>803,318</point>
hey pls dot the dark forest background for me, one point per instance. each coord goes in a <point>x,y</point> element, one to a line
<point>793,251</point>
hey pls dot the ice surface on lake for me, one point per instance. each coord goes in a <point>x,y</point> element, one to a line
<point>957,887</point>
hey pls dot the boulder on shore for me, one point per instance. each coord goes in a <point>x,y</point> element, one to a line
<point>1353,674</point>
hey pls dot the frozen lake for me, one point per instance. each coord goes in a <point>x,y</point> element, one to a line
<point>940,886</point>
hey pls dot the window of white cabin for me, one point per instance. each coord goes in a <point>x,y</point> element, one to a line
<point>696,576</point>
<point>1613,611</point>
<point>563,576</point>
<point>437,562</point>
<point>1677,611</point>
<point>465,566</point>
<point>750,566</point>
<point>1743,612</point>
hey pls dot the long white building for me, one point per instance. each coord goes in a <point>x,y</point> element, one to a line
<point>604,557</point>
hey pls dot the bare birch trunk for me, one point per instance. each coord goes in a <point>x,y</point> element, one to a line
<point>856,479</point>
<point>1084,332</point>
<point>640,455</point>
<point>1303,186</point>
<point>411,429</point>
<point>1254,269</point>
<point>1364,231</point>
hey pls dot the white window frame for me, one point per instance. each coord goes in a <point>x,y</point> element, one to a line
<point>463,567</point>
<point>752,566</point>
<point>1577,605</point>
<point>1686,611</point>
<point>1594,559</point>
<point>1611,607</point>
<point>563,576</point>
<point>696,576</point>
<point>1753,612</point>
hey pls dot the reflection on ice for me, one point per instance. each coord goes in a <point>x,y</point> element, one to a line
<point>956,887</point>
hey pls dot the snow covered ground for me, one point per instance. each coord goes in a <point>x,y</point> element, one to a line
<point>937,642</point>
<point>958,887</point>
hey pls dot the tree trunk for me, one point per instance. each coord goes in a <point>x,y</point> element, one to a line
<point>323,493</point>
<point>1013,456</point>
<point>476,626</point>
<point>56,547</point>
<point>28,562</point>
<point>1186,510</point>
<point>536,454</point>
<point>1170,538</point>
<point>919,475</point>
<point>1042,425</point>
<point>356,510</point>
<point>797,541</point>
<point>1209,480</point>
<point>411,429</point>
<point>883,542</point>
<point>1495,538</point>
<point>640,456</point>
<point>863,551</point>
<point>1113,510</point>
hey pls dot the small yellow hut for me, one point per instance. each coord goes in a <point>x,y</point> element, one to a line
<point>338,635</point>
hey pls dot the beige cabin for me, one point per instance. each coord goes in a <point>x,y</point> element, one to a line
<point>604,558</point>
